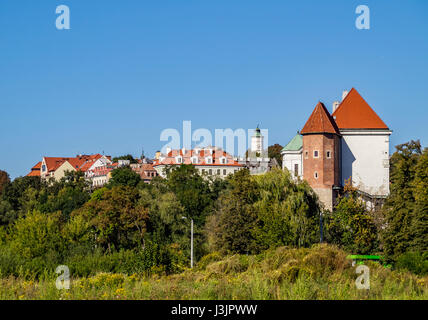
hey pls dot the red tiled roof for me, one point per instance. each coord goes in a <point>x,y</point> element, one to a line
<point>169,159</point>
<point>355,113</point>
<point>82,163</point>
<point>35,171</point>
<point>320,121</point>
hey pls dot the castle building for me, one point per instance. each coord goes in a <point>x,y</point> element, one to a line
<point>351,144</point>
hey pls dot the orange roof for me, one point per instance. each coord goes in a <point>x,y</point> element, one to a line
<point>355,113</point>
<point>35,171</point>
<point>217,153</point>
<point>83,162</point>
<point>320,121</point>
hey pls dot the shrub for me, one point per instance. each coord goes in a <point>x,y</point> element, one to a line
<point>415,262</point>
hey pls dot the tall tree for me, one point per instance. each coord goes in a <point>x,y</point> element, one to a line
<point>419,225</point>
<point>399,207</point>
<point>231,228</point>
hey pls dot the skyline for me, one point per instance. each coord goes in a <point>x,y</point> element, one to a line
<point>117,78</point>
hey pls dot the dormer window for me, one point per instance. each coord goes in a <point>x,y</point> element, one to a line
<point>209,160</point>
<point>194,160</point>
<point>179,159</point>
<point>223,160</point>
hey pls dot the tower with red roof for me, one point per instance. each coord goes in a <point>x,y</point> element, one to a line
<point>321,154</point>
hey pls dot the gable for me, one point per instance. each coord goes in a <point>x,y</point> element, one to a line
<point>355,113</point>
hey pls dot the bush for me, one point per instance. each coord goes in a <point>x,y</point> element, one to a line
<point>415,262</point>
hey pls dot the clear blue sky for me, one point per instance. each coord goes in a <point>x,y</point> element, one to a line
<point>129,69</point>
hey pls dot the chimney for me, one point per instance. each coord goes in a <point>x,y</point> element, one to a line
<point>344,94</point>
<point>335,105</point>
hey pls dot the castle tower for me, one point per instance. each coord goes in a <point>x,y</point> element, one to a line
<point>321,155</point>
<point>364,145</point>
<point>257,142</point>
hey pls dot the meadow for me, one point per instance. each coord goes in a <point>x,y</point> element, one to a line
<point>321,272</point>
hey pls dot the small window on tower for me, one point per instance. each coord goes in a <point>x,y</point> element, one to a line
<point>316,175</point>
<point>328,154</point>
<point>315,153</point>
<point>306,154</point>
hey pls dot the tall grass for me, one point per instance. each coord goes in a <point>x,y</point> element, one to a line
<point>321,272</point>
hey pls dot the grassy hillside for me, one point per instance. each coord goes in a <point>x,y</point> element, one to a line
<point>321,272</point>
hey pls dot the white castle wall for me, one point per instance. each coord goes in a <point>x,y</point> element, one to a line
<point>365,158</point>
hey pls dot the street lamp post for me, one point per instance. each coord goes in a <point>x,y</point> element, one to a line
<point>191,242</point>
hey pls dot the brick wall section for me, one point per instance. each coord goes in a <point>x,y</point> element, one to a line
<point>327,168</point>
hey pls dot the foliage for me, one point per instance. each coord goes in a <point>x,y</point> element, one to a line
<point>274,151</point>
<point>351,226</point>
<point>288,211</point>
<point>321,273</point>
<point>235,219</point>
<point>117,219</point>
<point>405,209</point>
<point>4,180</point>
<point>125,157</point>
<point>415,262</point>
<point>124,176</point>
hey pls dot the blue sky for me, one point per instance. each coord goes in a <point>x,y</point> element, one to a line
<point>126,70</point>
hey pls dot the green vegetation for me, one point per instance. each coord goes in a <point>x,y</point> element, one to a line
<point>254,236</point>
<point>321,272</point>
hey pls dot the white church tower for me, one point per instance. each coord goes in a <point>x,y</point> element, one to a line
<point>257,142</point>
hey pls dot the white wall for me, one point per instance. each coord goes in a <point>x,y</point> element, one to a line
<point>365,158</point>
<point>289,159</point>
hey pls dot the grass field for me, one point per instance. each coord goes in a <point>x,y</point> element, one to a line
<point>321,272</point>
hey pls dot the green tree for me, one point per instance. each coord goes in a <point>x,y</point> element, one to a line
<point>230,229</point>
<point>419,224</point>
<point>274,151</point>
<point>37,234</point>
<point>125,157</point>
<point>116,217</point>
<point>399,207</point>
<point>351,226</point>
<point>124,177</point>
<point>288,212</point>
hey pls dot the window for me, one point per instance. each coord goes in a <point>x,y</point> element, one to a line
<point>194,160</point>
<point>210,171</point>
<point>296,169</point>
<point>43,168</point>
<point>316,175</point>
<point>178,160</point>
<point>218,171</point>
<point>306,154</point>
<point>209,160</point>
<point>328,154</point>
<point>224,172</point>
<point>315,153</point>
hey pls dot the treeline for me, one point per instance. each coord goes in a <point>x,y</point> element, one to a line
<point>129,226</point>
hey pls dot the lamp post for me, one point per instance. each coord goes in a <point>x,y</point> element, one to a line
<point>191,242</point>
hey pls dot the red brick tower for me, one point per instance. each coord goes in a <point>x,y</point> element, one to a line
<point>321,155</point>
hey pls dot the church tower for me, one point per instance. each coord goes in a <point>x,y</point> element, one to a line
<point>321,155</point>
<point>257,143</point>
